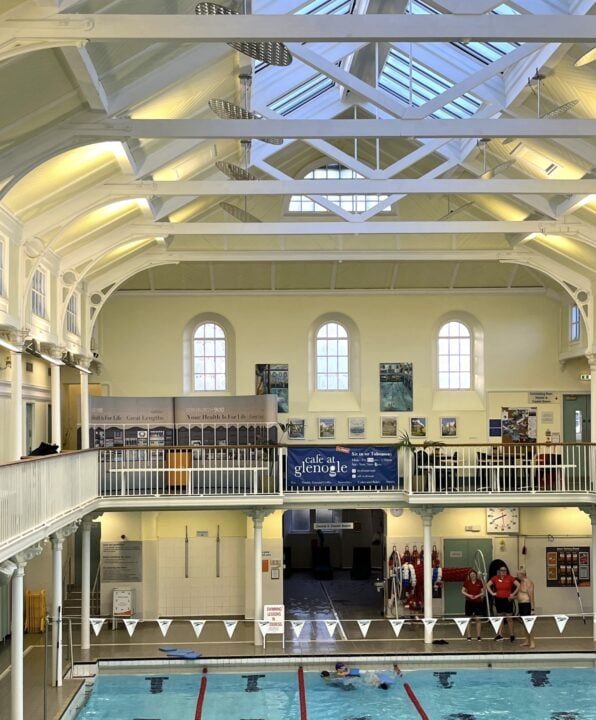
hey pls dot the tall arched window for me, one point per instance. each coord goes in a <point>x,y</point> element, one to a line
<point>454,356</point>
<point>209,358</point>
<point>332,353</point>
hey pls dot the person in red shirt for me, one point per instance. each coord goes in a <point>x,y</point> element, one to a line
<point>473,590</point>
<point>504,588</point>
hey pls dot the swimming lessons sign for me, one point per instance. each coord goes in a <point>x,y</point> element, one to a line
<point>342,466</point>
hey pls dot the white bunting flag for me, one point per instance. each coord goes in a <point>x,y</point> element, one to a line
<point>197,626</point>
<point>364,625</point>
<point>330,625</point>
<point>230,627</point>
<point>496,622</point>
<point>130,625</point>
<point>528,621</point>
<point>429,623</point>
<point>561,621</point>
<point>164,626</point>
<point>462,624</point>
<point>297,626</point>
<point>264,627</point>
<point>97,624</point>
<point>397,625</point>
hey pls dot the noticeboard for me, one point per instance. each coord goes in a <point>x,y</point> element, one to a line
<point>567,566</point>
<point>122,602</point>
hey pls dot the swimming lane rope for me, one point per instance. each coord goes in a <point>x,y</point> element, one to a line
<point>412,695</point>
<point>302,693</point>
<point>201,698</point>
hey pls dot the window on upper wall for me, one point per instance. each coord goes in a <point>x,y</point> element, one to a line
<point>72,315</point>
<point>332,352</point>
<point>210,358</point>
<point>39,294</point>
<point>454,355</point>
<point>2,270</point>
<point>350,203</point>
<point>574,324</point>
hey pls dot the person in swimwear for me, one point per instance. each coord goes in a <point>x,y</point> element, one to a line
<point>525,603</point>
<point>339,681</point>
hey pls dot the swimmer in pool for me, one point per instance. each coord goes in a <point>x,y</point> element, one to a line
<point>337,681</point>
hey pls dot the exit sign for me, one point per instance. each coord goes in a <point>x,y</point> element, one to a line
<point>585,376</point>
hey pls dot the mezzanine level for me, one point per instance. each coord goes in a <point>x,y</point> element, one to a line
<point>39,496</point>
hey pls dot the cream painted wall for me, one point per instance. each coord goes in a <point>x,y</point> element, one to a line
<point>520,349</point>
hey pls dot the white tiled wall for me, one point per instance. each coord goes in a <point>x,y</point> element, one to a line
<point>202,594</point>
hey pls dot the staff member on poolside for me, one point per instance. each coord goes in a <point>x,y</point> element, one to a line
<point>504,588</point>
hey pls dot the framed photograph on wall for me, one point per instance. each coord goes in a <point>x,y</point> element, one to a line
<point>326,428</point>
<point>356,427</point>
<point>395,387</point>
<point>388,426</point>
<point>418,427</point>
<point>296,429</point>
<point>448,427</point>
<point>273,380</point>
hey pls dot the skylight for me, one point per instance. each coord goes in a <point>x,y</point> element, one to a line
<point>485,52</point>
<point>302,94</point>
<point>425,85</point>
<point>350,203</point>
<point>327,7</point>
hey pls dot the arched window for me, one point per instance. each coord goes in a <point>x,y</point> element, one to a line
<point>350,203</point>
<point>332,354</point>
<point>209,358</point>
<point>454,356</point>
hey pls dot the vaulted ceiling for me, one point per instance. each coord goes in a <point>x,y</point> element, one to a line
<point>473,136</point>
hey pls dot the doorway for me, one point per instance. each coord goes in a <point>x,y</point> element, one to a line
<point>461,554</point>
<point>332,560</point>
<point>577,419</point>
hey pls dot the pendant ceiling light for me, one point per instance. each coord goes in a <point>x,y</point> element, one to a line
<point>238,213</point>
<point>274,53</point>
<point>489,172</point>
<point>235,172</point>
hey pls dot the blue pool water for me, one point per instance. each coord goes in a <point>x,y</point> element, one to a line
<point>492,694</point>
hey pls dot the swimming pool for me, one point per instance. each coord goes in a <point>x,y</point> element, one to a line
<point>496,694</point>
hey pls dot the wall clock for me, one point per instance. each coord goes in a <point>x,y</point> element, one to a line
<point>502,520</point>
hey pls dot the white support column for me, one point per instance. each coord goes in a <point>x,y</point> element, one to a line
<point>57,544</point>
<point>84,405</point>
<point>590,510</point>
<point>16,643</point>
<point>85,583</point>
<point>592,363</point>
<point>57,601</point>
<point>16,638</point>
<point>17,403</point>
<point>257,519</point>
<point>56,405</point>
<point>427,513</point>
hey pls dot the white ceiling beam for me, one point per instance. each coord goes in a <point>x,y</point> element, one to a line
<point>411,227</point>
<point>332,128</point>
<point>570,205</point>
<point>302,28</point>
<point>81,66</point>
<point>289,186</point>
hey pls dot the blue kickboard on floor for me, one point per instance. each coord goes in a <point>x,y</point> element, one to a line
<point>184,655</point>
<point>168,649</point>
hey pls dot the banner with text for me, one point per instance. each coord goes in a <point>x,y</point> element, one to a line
<point>342,466</point>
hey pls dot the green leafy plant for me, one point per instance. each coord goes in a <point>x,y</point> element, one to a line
<point>405,441</point>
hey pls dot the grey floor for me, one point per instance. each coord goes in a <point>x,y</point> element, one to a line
<point>306,599</point>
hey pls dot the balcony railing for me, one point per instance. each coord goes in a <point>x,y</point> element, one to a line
<point>241,470</point>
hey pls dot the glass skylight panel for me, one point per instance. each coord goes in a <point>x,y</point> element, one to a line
<point>327,7</point>
<point>425,85</point>
<point>485,52</point>
<point>299,96</point>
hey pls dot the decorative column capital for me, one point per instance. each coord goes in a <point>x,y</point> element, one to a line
<point>88,519</point>
<point>258,516</point>
<point>427,513</point>
<point>23,557</point>
<point>54,351</point>
<point>590,511</point>
<point>60,535</point>
<point>84,362</point>
<point>591,358</point>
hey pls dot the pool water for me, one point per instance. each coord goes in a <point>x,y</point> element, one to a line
<point>495,694</point>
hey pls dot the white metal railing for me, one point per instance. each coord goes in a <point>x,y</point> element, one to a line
<point>183,471</point>
<point>36,493</point>
<point>504,468</point>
